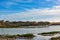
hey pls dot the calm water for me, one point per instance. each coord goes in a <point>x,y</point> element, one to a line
<point>35,31</point>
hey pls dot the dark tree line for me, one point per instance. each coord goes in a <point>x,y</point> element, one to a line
<point>21,23</point>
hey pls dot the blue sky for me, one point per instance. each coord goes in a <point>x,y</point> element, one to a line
<point>30,10</point>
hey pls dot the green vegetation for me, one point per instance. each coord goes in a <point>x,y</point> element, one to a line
<point>27,35</point>
<point>18,36</point>
<point>49,33</point>
<point>55,38</point>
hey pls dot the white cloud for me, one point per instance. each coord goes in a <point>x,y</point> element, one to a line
<point>47,14</point>
<point>56,7</point>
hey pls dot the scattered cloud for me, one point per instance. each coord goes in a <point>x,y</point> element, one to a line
<point>47,14</point>
<point>48,10</point>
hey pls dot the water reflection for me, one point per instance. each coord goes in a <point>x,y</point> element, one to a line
<point>30,30</point>
<point>24,39</point>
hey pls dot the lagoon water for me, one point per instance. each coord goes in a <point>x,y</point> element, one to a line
<point>35,31</point>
